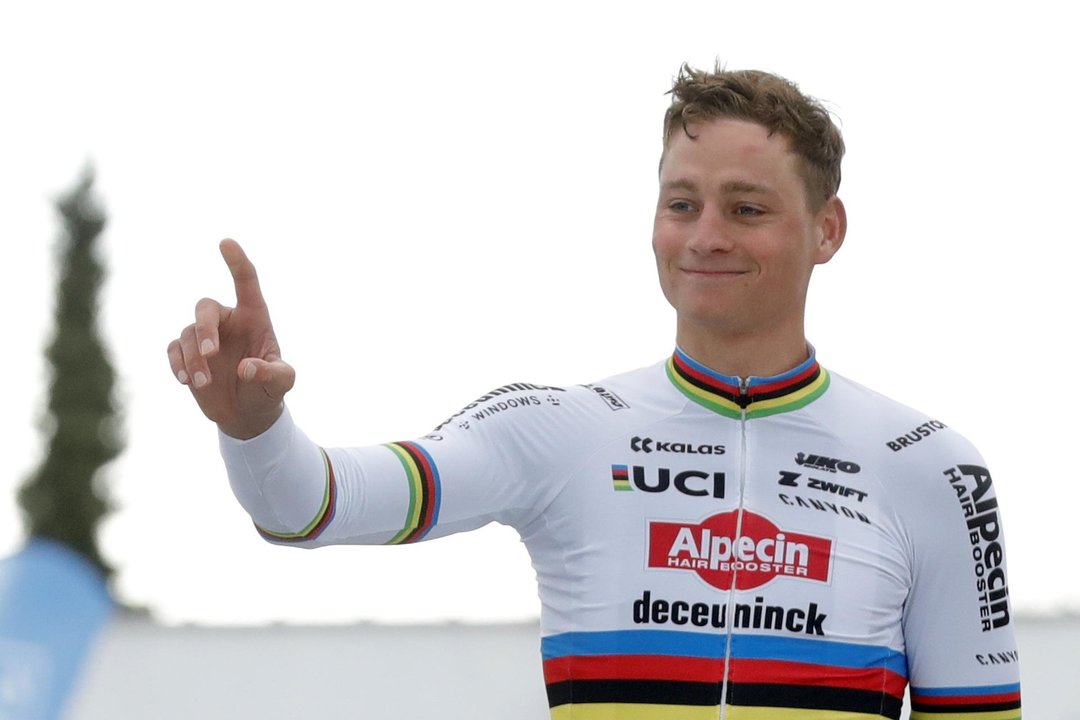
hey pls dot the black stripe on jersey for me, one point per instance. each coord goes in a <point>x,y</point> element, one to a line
<point>660,692</point>
<point>741,400</point>
<point>785,390</point>
<point>744,401</point>
<point>814,697</point>
<point>964,708</point>
<point>425,495</point>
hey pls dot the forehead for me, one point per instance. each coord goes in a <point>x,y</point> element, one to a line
<point>728,147</point>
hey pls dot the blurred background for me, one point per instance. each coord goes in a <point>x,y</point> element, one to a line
<point>443,198</point>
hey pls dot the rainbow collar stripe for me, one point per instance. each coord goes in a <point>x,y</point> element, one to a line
<point>757,396</point>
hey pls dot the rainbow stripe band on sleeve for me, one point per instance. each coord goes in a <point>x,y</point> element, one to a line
<point>995,702</point>
<point>322,518</point>
<point>424,492</point>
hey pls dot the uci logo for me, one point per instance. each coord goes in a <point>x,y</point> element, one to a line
<point>696,483</point>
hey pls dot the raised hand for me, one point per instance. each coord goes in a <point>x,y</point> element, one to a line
<point>230,358</point>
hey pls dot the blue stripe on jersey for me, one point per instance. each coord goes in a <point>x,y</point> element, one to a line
<point>753,647</point>
<point>436,481</point>
<point>819,652</point>
<point>634,642</point>
<point>753,379</point>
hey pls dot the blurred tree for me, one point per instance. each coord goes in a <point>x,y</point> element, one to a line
<point>65,498</point>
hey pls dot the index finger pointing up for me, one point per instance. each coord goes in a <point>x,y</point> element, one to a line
<point>245,279</point>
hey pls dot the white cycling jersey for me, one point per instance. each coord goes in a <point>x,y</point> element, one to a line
<point>786,547</point>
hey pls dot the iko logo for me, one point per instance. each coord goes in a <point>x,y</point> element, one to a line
<point>761,552</point>
<point>696,483</point>
<point>648,445</point>
<point>828,464</point>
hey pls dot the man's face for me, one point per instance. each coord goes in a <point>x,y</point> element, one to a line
<point>734,238</point>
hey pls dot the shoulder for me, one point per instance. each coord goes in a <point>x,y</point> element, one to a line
<point>930,472</point>
<point>892,432</point>
<point>636,389</point>
<point>502,404</point>
<point>557,411</point>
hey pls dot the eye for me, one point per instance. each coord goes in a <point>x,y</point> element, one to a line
<point>680,206</point>
<point>748,211</point>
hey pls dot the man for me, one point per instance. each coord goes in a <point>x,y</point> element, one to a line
<point>733,532</point>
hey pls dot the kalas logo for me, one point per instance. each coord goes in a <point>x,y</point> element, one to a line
<point>648,445</point>
<point>722,556</point>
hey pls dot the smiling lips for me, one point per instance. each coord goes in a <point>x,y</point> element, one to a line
<point>713,272</point>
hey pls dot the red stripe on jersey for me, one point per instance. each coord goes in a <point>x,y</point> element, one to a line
<point>954,700</point>
<point>633,667</point>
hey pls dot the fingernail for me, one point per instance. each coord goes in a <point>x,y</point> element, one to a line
<point>182,377</point>
<point>249,372</point>
<point>207,346</point>
<point>200,379</point>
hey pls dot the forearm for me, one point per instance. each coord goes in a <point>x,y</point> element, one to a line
<point>279,476</point>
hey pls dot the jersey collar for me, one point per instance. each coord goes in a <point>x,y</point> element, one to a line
<point>757,396</point>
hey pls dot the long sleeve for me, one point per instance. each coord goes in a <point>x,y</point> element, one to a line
<point>501,459</point>
<point>280,478</point>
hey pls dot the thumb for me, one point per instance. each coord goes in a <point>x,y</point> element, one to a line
<point>275,376</point>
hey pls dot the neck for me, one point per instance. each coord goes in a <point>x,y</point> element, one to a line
<point>744,355</point>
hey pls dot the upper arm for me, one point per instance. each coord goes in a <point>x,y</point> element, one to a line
<point>957,623</point>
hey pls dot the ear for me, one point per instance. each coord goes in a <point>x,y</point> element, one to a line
<point>832,228</point>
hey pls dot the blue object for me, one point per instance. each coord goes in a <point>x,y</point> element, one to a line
<point>53,603</point>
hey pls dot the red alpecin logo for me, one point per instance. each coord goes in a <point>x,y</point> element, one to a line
<point>750,556</point>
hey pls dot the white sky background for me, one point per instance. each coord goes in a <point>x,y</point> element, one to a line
<point>445,197</point>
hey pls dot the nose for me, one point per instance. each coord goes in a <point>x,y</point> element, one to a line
<point>710,233</point>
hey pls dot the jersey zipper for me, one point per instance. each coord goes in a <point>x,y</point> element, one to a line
<point>744,389</point>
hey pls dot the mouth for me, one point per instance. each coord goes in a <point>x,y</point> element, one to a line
<point>713,272</point>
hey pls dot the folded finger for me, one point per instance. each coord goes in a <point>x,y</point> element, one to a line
<point>195,365</point>
<point>176,363</point>
<point>208,314</point>
<point>276,377</point>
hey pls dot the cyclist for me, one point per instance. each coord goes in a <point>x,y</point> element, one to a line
<point>733,531</point>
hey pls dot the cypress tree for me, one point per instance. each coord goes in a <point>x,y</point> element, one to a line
<point>65,497</point>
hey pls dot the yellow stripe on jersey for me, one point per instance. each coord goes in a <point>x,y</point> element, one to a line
<point>1013,714</point>
<point>644,711</point>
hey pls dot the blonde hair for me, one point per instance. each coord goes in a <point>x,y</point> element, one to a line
<point>768,100</point>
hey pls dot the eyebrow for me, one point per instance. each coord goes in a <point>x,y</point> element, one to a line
<point>732,186</point>
<point>679,184</point>
<point>742,186</point>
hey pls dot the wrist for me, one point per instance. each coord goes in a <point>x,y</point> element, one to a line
<point>252,425</point>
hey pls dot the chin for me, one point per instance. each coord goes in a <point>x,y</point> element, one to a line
<point>711,319</point>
